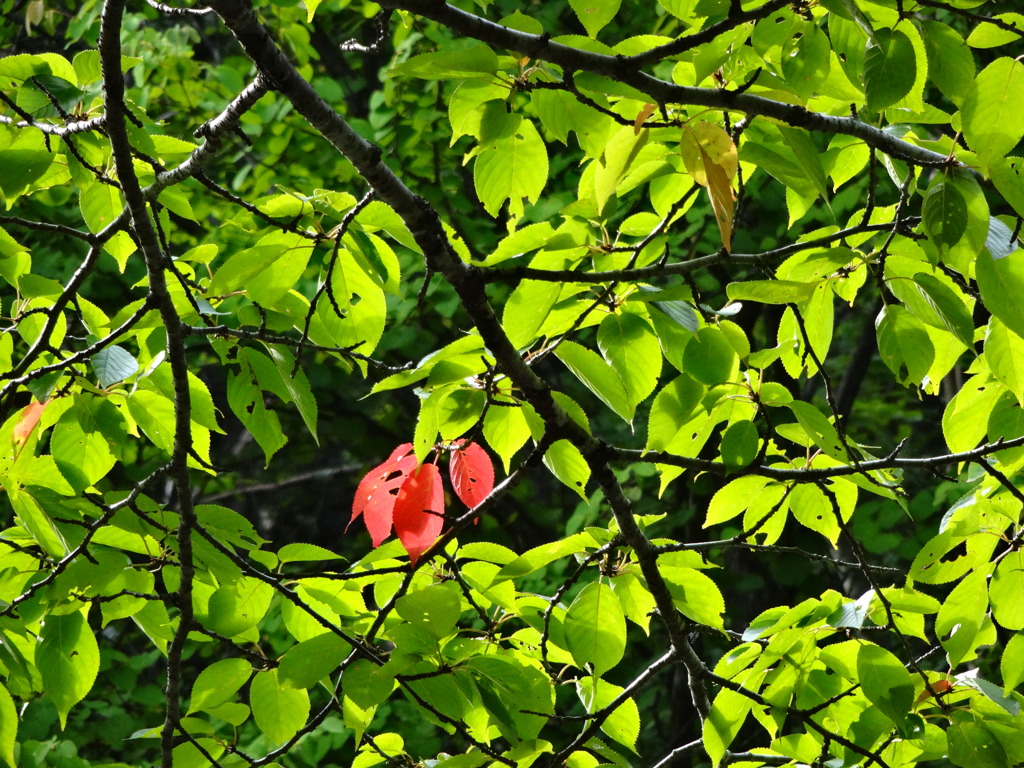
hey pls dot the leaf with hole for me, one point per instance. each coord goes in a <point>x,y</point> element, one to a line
<point>472,474</point>
<point>377,491</point>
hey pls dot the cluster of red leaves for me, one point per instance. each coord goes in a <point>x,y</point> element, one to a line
<point>406,496</point>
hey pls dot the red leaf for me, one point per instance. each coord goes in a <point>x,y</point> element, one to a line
<point>419,509</point>
<point>472,474</point>
<point>28,421</point>
<point>377,491</point>
<point>939,687</point>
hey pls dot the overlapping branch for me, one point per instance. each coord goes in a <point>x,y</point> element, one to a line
<point>426,228</point>
<point>812,474</point>
<point>146,236</point>
<point>543,48</point>
<point>690,266</point>
<point>469,283</point>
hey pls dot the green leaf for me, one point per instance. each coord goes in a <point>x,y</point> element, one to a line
<point>960,617</point>
<point>972,745</point>
<point>154,413</point>
<point>542,555</point>
<point>594,15</point>
<point>933,302</point>
<point>962,255</point>
<point>681,312</point>
<point>366,683</point>
<point>696,596</point>
<point>628,343</point>
<point>113,364</point>
<point>728,712</point>
<point>297,384</point>
<point>637,602</point>
<point>619,154</point>
<point>1009,181</point>
<point>68,659</point>
<point>266,271</point>
<point>709,357</point>
<point>819,429</point>
<point>623,724</point>
<point>1006,589</point>
<point>513,167</point>
<point>100,205</point>
<point>950,63</point>
<point>218,684</point>
<point>770,291</point>
<point>23,66</point>
<point>1006,421</point>
<point>988,35</point>
<point>246,401</point>
<point>527,309</point>
<point>952,312</point>
<point>673,407</point>
<point>520,242</point>
<point>990,122</point>
<point>598,376</point>
<point>944,214</point>
<point>740,443</point>
<point>943,558</point>
<point>813,266</point>
<point>435,609</point>
<point>279,711</point>
<point>82,457</point>
<point>444,65</point>
<point>560,112</point>
<point>8,727</point>
<point>1001,282</point>
<point>229,526</point>
<point>890,68</point>
<point>904,344</point>
<point>819,319</point>
<point>990,691</point>
<point>506,431</point>
<point>595,629</point>
<point>309,662</point>
<point>425,435</point>
<point>464,112</point>
<point>298,552</point>
<point>237,606</point>
<point>813,510</point>
<point>799,141</point>
<point>518,690</point>
<point>23,162</point>
<point>457,410</point>
<point>886,682</point>
<point>806,62</point>
<point>1011,666</point>
<point>734,498</point>
<point>849,39</point>
<point>965,420</point>
<point>567,464</point>
<point>38,523</point>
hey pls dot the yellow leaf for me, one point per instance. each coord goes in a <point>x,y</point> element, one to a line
<point>702,139</point>
<point>710,157</point>
<point>721,194</point>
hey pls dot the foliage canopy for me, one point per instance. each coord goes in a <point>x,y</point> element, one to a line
<point>727,290</point>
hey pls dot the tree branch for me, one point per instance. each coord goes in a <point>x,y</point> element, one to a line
<point>541,47</point>
<point>113,97</point>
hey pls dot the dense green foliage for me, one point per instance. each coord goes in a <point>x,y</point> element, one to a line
<point>728,290</point>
